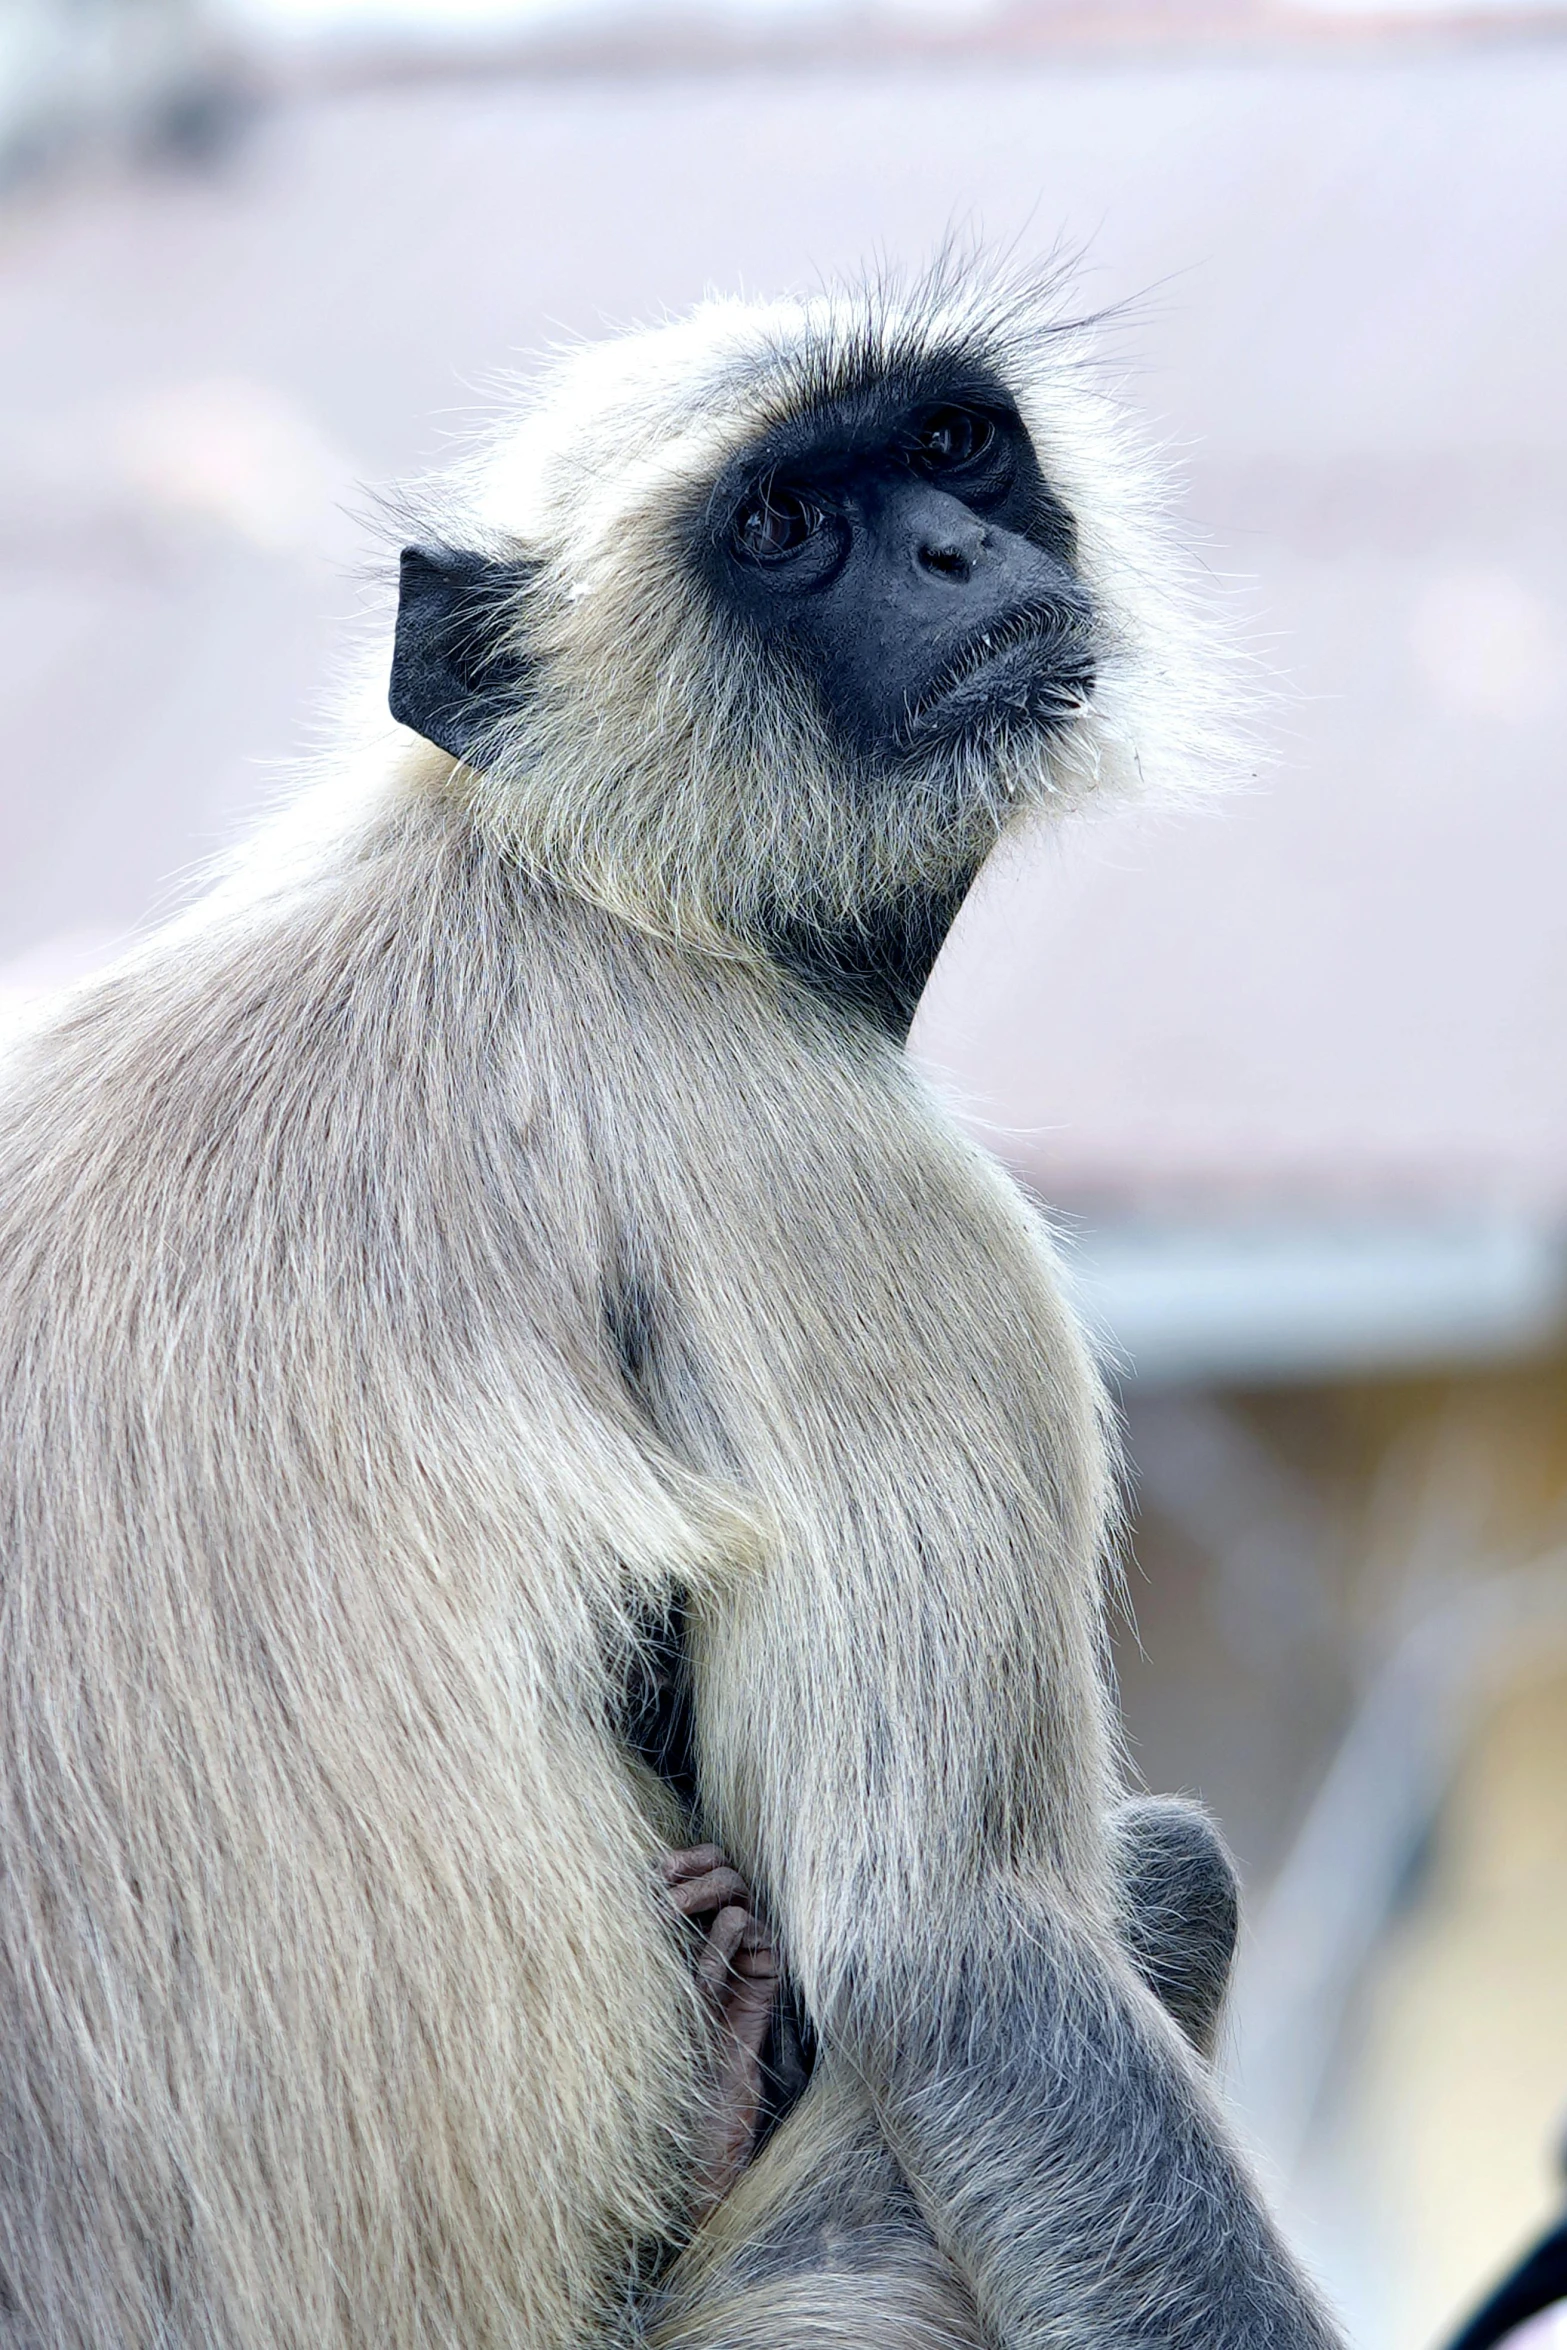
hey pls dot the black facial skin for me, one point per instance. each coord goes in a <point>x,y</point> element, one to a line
<point>902,547</point>
<point>912,558</point>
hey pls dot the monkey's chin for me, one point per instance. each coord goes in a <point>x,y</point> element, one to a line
<point>952,799</point>
<point>1022,691</point>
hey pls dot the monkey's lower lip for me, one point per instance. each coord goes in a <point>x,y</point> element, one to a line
<point>1023,670</point>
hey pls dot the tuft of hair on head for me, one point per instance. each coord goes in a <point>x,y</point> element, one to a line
<point>668,762</point>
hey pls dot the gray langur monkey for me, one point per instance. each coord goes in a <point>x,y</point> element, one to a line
<point>493,1243</point>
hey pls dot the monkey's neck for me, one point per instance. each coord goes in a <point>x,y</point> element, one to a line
<point>877,968</point>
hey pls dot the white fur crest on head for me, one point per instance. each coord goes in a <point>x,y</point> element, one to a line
<point>669,767</point>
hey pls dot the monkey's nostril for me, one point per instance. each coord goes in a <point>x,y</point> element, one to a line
<point>948,562</point>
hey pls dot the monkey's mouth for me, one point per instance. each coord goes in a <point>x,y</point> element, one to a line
<point>1035,667</point>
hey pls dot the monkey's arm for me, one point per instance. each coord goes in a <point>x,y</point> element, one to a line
<point>1061,2138</point>
<point>1094,2271</point>
<point>1180,1913</point>
<point>899,1709</point>
<point>1061,2144</point>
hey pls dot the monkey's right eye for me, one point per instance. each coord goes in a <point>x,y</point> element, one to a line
<point>775,522</point>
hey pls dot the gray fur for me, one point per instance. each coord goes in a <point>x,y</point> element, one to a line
<point>338,2003</point>
<point>1181,1904</point>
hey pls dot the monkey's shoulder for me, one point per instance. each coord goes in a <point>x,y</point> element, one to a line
<point>792,1209</point>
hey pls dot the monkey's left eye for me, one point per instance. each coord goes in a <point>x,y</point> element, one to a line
<point>951,436</point>
<point>775,521</point>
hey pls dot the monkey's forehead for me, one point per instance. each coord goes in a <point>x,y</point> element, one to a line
<point>624,423</point>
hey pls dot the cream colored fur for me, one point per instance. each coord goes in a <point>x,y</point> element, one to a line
<point>339,2008</point>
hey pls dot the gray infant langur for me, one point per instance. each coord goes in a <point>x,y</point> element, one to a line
<point>507,1372</point>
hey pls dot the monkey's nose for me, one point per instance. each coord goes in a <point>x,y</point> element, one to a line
<point>945,538</point>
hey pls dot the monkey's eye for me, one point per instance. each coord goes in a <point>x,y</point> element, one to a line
<point>944,437</point>
<point>774,522</point>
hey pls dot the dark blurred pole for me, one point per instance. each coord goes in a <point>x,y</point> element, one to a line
<point>1537,2283</point>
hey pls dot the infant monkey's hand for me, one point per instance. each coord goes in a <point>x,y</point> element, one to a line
<point>738,1970</point>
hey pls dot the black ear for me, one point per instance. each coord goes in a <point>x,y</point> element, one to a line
<point>453,672</point>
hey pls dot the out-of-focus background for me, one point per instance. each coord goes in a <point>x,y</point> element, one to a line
<point>1290,1068</point>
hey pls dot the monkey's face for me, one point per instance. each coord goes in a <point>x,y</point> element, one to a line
<point>904,549</point>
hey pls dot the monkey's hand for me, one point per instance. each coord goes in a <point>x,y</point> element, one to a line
<point>738,1971</point>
